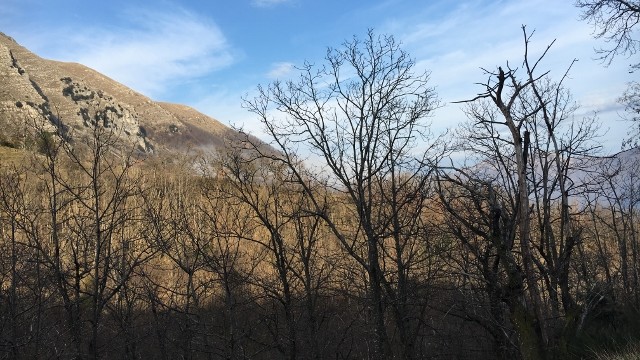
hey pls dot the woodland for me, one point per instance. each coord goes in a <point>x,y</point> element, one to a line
<point>355,233</point>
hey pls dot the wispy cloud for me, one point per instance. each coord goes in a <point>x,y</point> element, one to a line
<point>487,34</point>
<point>475,34</point>
<point>280,70</point>
<point>269,3</point>
<point>151,51</point>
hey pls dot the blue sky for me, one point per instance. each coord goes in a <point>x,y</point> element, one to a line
<point>208,54</point>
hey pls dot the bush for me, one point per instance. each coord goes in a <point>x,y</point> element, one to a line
<point>44,142</point>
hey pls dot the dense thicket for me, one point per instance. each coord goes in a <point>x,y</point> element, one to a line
<point>378,248</point>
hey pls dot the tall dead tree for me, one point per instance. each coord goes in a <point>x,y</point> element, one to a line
<point>524,136</point>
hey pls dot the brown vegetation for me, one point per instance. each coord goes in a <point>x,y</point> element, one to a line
<point>529,252</point>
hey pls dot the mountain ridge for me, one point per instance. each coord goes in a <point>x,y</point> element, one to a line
<point>71,98</point>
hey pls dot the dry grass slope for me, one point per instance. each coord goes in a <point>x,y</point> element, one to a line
<point>11,156</point>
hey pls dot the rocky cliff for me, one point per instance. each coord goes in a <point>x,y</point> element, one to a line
<point>48,95</point>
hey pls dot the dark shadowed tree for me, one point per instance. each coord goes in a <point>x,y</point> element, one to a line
<point>511,209</point>
<point>89,244</point>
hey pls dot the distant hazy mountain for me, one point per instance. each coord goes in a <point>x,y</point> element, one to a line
<point>50,95</point>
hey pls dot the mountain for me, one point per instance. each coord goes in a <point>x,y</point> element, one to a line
<point>36,93</point>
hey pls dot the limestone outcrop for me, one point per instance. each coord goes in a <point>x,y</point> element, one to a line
<point>44,95</point>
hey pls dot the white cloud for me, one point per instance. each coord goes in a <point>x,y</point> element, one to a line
<point>269,3</point>
<point>280,70</point>
<point>486,34</point>
<point>153,51</point>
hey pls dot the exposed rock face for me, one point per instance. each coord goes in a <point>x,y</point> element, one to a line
<point>72,98</point>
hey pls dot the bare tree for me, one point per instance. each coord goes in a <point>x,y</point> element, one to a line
<point>613,210</point>
<point>616,21</point>
<point>17,210</point>
<point>264,189</point>
<point>175,229</point>
<point>529,149</point>
<point>631,100</point>
<point>362,117</point>
<point>226,256</point>
<point>89,186</point>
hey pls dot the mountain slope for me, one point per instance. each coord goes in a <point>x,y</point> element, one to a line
<point>36,93</point>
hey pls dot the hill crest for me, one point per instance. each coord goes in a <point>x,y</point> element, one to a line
<point>70,98</point>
